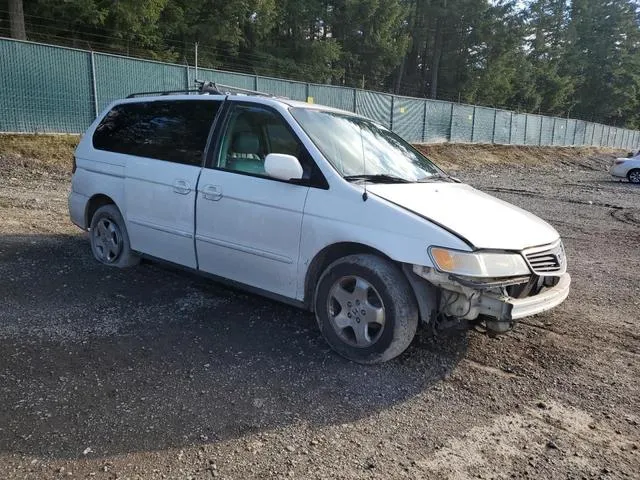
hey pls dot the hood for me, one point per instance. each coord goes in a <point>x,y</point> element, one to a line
<point>484,221</point>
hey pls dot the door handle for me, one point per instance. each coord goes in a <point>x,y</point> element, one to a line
<point>212,192</point>
<point>182,187</point>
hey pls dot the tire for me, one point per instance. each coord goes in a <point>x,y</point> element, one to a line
<point>365,308</point>
<point>109,238</point>
<point>634,175</point>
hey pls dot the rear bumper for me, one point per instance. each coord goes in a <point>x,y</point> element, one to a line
<point>77,207</point>
<point>618,171</point>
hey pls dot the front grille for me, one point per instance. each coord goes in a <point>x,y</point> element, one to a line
<point>546,260</point>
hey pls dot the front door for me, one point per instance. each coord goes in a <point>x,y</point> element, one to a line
<point>163,141</point>
<point>248,224</point>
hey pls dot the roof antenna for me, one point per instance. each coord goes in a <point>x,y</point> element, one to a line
<point>364,166</point>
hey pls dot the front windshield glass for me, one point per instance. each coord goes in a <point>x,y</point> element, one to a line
<point>358,147</point>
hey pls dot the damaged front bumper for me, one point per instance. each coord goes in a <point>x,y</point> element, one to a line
<point>466,300</point>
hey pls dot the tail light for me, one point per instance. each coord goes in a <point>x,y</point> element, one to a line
<point>73,167</point>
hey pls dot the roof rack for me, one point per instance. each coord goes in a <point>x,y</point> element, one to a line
<point>206,88</point>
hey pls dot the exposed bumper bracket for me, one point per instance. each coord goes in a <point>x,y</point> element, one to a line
<point>465,302</point>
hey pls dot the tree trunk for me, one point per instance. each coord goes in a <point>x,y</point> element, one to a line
<point>435,65</point>
<point>16,20</point>
<point>437,52</point>
<point>400,73</point>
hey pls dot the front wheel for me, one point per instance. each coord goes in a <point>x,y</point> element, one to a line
<point>365,308</point>
<point>634,175</point>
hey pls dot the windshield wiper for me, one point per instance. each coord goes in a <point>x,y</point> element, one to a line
<point>436,177</point>
<point>377,178</point>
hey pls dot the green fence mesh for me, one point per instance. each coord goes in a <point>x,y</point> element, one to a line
<point>238,80</point>
<point>44,88</point>
<point>116,77</point>
<point>483,127</point>
<point>336,97</point>
<point>283,88</point>
<point>408,117</point>
<point>534,125</point>
<point>462,123</point>
<point>502,127</point>
<point>376,106</point>
<point>571,131</point>
<point>437,122</point>
<point>518,128</point>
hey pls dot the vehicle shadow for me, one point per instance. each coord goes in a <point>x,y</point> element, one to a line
<point>152,358</point>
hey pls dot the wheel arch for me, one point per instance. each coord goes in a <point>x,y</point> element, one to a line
<point>424,293</point>
<point>95,202</point>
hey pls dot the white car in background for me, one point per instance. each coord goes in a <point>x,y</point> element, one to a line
<point>628,168</point>
<point>313,206</point>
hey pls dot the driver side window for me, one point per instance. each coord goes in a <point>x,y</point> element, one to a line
<point>252,133</point>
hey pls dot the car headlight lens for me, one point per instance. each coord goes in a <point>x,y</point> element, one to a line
<point>478,264</point>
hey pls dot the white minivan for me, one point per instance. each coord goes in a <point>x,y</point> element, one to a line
<point>314,206</point>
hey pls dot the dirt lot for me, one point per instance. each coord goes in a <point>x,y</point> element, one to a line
<point>156,373</point>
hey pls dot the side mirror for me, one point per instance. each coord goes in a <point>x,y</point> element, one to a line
<point>283,167</point>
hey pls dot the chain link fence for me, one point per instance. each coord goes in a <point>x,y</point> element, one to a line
<point>51,89</point>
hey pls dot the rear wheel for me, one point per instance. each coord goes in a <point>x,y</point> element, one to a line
<point>634,175</point>
<point>109,238</point>
<point>365,308</point>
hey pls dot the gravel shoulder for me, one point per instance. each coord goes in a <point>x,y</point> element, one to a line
<point>157,373</point>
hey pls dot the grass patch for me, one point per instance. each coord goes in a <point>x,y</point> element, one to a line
<point>37,153</point>
<point>40,153</point>
<point>455,156</point>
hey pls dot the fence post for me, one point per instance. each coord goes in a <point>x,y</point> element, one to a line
<point>575,129</point>
<point>510,127</point>
<point>186,77</point>
<point>493,134</point>
<point>526,121</point>
<point>553,131</point>
<point>393,101</point>
<point>424,121</point>
<point>540,135</point>
<point>451,122</point>
<point>566,127</point>
<point>473,124</point>
<point>355,100</point>
<point>94,88</point>
<point>255,83</point>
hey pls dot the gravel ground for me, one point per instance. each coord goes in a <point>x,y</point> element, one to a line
<point>156,373</point>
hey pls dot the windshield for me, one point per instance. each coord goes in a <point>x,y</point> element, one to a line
<point>360,149</point>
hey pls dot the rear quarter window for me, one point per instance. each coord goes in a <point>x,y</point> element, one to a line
<point>174,131</point>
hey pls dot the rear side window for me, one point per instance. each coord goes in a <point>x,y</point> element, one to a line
<point>175,131</point>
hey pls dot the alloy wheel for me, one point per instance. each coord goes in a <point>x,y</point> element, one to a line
<point>107,240</point>
<point>356,311</point>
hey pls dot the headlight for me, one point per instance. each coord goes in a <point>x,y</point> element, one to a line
<point>478,264</point>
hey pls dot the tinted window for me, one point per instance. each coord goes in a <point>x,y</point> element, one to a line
<point>175,131</point>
